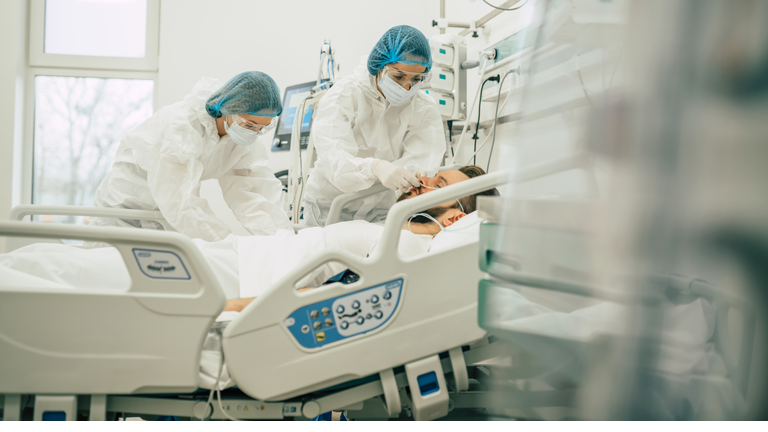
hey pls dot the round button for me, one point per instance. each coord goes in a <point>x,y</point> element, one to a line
<point>340,309</point>
<point>379,314</point>
<point>305,329</point>
<point>375,299</point>
<point>355,304</point>
<point>289,322</point>
<point>328,322</point>
<point>387,295</point>
<point>360,320</point>
<point>325,311</point>
<point>314,314</point>
<point>317,325</point>
<point>369,316</point>
<point>344,325</point>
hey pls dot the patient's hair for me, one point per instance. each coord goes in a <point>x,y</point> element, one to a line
<point>470,202</point>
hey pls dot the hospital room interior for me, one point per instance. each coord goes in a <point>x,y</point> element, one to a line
<point>352,210</point>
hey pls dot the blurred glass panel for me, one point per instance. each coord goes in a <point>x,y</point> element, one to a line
<point>78,125</point>
<point>114,28</point>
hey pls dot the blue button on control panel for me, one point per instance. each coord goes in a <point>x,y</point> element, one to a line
<point>353,315</point>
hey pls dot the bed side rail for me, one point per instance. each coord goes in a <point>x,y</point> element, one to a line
<point>19,212</point>
<point>191,276</point>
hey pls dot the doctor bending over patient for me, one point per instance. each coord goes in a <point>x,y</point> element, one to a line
<point>376,124</point>
<point>361,238</point>
<point>211,134</point>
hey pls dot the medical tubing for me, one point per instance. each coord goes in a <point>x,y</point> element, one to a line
<point>479,108</point>
<point>495,120</point>
<point>496,117</point>
<point>466,123</point>
<point>218,379</point>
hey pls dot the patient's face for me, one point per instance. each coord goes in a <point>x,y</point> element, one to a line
<point>441,180</point>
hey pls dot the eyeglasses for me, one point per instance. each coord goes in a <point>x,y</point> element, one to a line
<point>404,78</point>
<point>254,127</point>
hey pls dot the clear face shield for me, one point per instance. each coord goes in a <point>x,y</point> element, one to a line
<point>254,127</point>
<point>406,80</point>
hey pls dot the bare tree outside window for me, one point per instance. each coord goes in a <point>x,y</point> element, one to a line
<point>78,125</point>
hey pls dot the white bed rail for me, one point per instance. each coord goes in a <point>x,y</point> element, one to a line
<point>19,212</point>
<point>334,214</point>
<point>145,339</point>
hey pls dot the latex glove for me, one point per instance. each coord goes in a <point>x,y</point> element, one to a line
<point>394,177</point>
<point>420,173</point>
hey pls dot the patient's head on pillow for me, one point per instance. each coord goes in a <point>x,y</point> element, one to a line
<point>448,213</point>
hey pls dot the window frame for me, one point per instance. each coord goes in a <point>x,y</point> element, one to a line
<point>39,58</point>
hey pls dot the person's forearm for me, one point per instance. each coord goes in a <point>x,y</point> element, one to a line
<point>237,305</point>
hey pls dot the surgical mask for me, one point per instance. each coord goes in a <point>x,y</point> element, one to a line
<point>239,134</point>
<point>394,92</point>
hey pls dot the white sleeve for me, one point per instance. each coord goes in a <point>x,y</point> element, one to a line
<point>253,193</point>
<point>335,142</point>
<point>424,143</point>
<point>174,180</point>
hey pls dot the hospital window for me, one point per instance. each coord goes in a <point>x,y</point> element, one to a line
<point>93,67</point>
<point>78,125</point>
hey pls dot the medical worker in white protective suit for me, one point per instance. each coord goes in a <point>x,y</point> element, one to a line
<point>376,125</point>
<point>211,134</point>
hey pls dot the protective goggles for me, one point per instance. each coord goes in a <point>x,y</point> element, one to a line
<point>404,78</point>
<point>254,127</point>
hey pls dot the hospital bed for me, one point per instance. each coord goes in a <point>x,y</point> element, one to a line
<point>420,353</point>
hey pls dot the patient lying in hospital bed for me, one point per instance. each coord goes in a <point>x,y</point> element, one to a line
<point>247,266</point>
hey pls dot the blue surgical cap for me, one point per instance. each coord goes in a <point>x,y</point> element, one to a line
<point>400,44</point>
<point>254,93</point>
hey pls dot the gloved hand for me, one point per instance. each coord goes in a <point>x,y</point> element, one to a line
<point>394,177</point>
<point>420,173</point>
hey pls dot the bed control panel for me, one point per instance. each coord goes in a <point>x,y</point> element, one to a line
<point>159,264</point>
<point>342,317</point>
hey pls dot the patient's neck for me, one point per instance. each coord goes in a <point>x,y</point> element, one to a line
<point>426,229</point>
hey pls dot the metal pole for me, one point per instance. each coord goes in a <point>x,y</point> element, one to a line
<point>442,14</point>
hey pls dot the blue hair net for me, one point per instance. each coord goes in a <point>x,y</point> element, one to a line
<point>254,93</point>
<point>400,44</point>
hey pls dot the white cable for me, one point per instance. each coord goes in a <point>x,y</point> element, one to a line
<point>494,121</point>
<point>469,113</point>
<point>218,380</point>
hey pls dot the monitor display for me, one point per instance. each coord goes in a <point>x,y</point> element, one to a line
<point>291,101</point>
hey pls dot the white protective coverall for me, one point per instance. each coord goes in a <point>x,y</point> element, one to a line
<point>160,164</point>
<point>355,124</point>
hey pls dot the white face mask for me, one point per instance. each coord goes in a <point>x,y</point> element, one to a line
<point>394,92</point>
<point>239,134</point>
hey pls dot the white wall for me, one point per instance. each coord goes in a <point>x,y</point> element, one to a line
<point>13,36</point>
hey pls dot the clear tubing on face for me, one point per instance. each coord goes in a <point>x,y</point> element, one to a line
<point>428,187</point>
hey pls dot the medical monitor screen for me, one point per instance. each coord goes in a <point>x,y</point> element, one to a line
<point>291,101</point>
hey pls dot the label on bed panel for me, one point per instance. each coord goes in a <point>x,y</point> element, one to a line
<point>345,316</point>
<point>159,264</point>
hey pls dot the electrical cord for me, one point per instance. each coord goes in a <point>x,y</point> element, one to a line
<point>494,78</point>
<point>506,10</point>
<point>469,113</point>
<point>485,141</point>
<point>496,118</point>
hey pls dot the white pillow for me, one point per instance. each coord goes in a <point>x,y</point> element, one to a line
<point>466,230</point>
